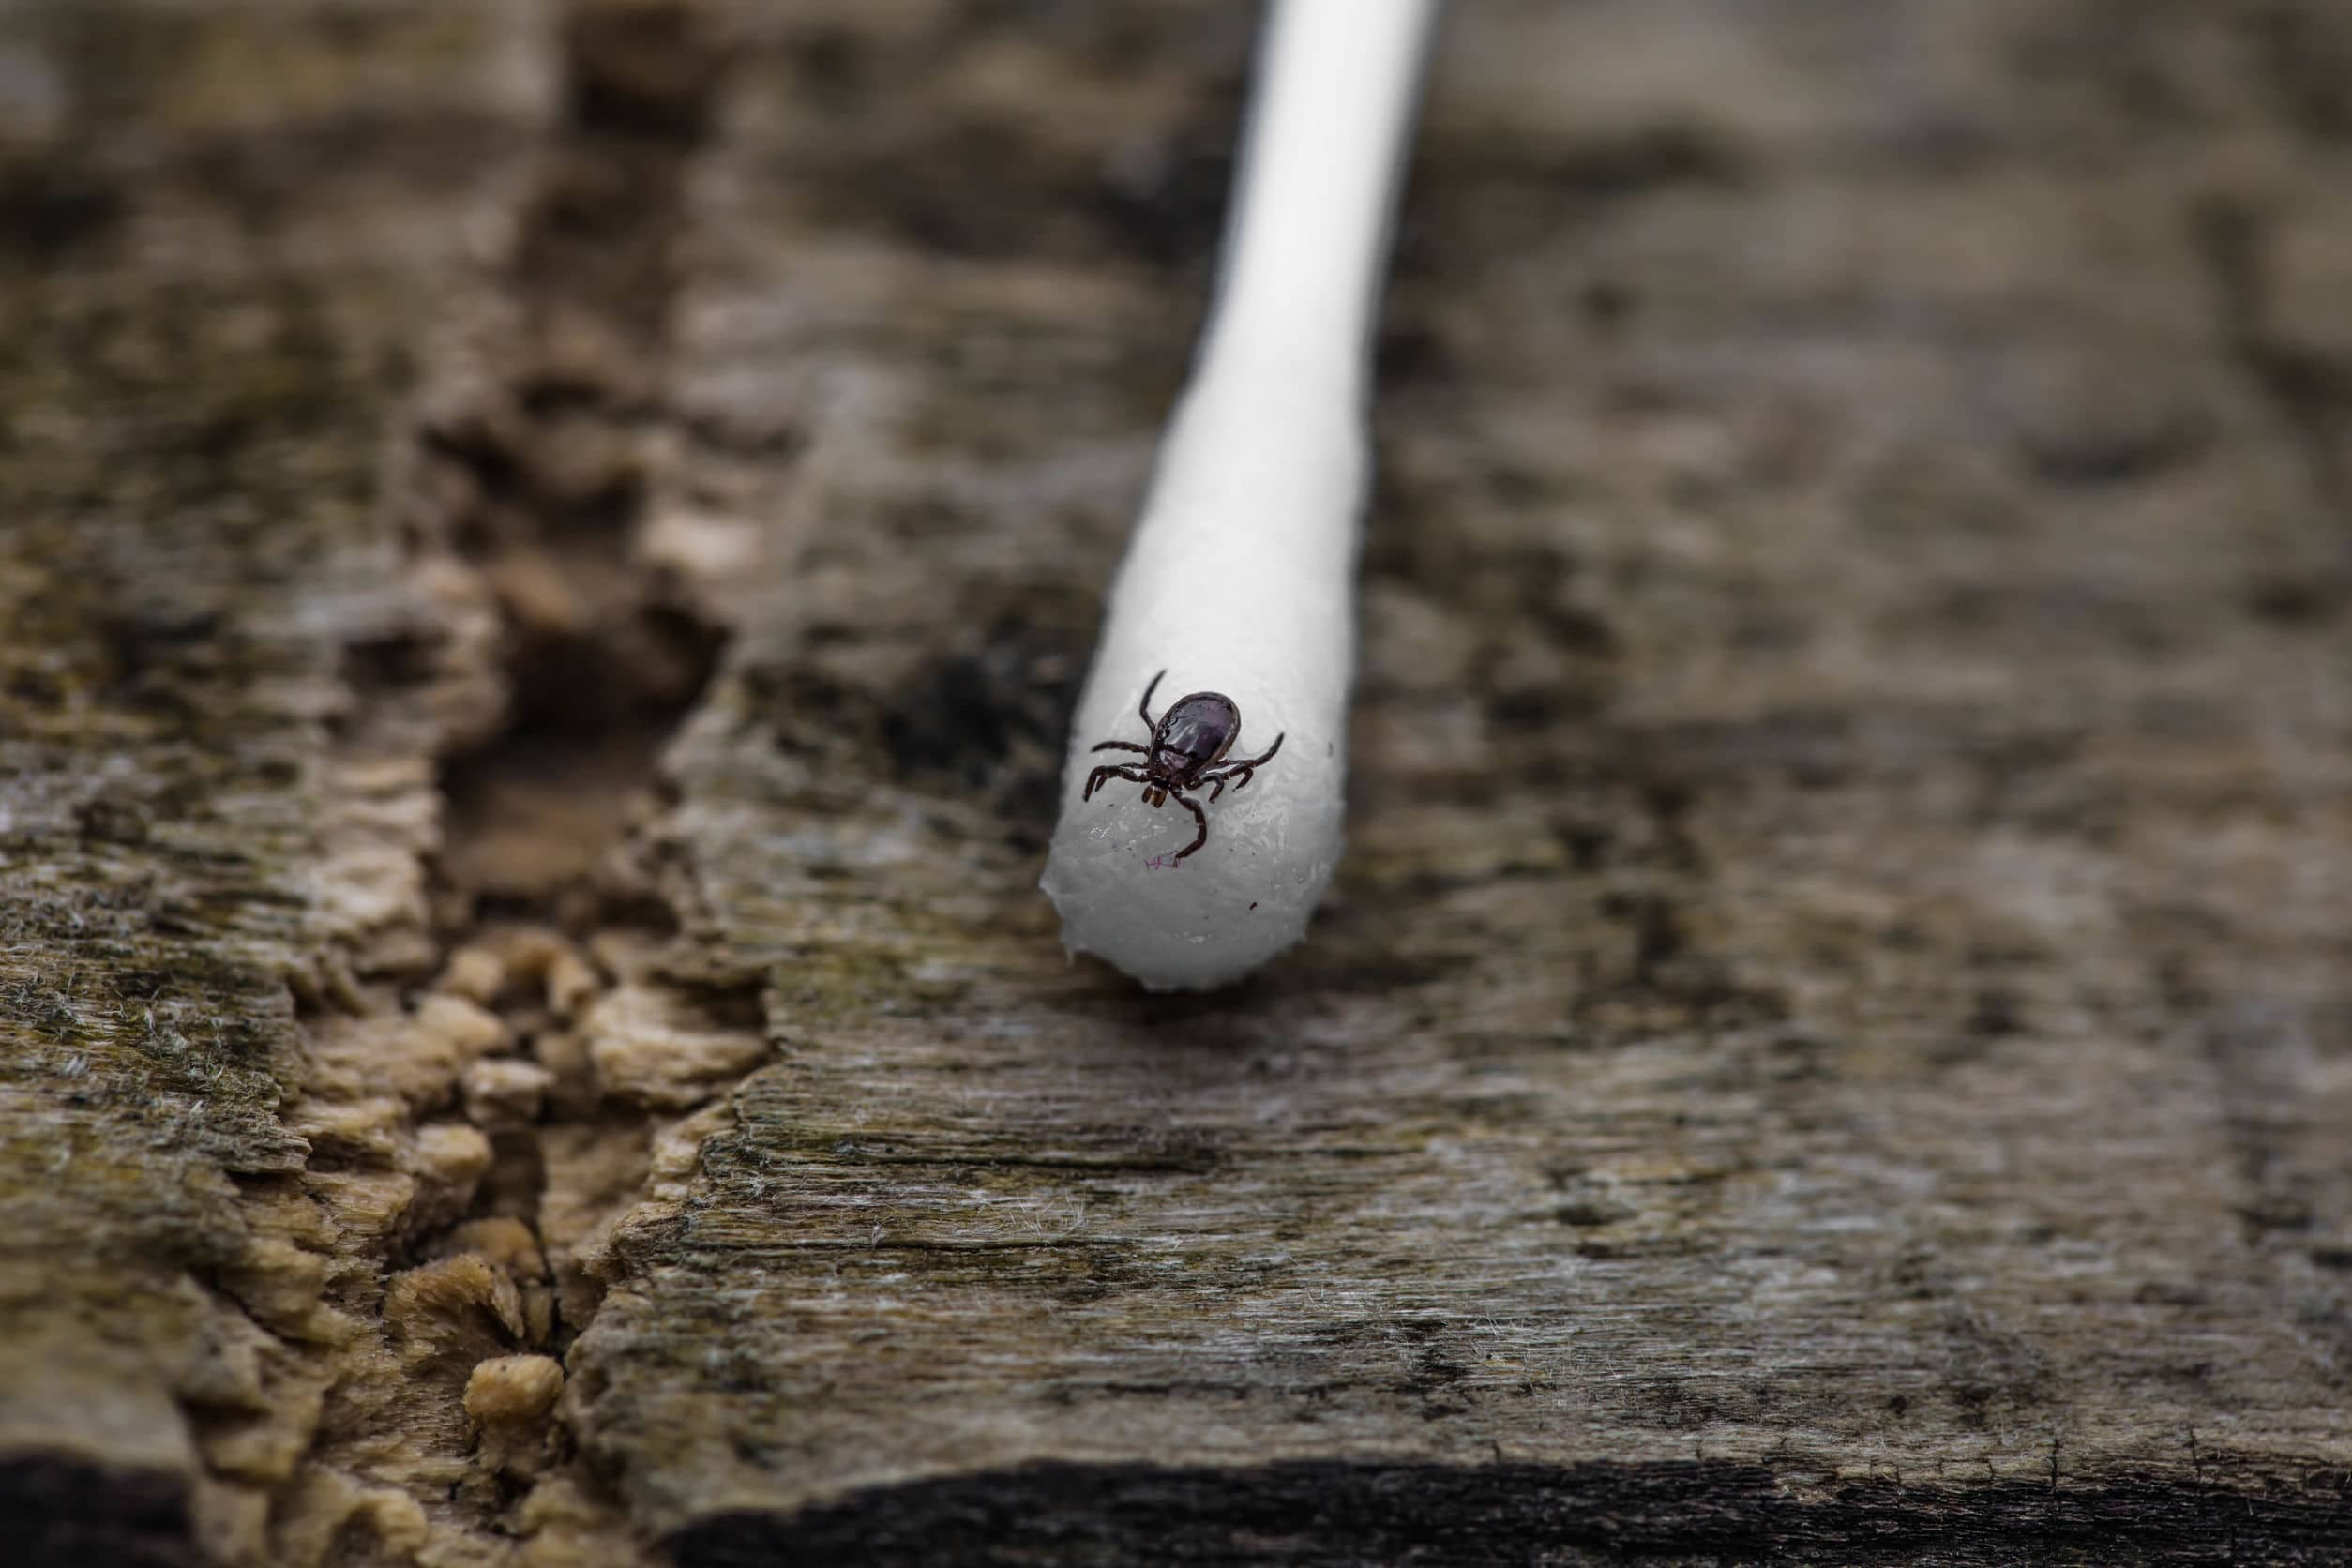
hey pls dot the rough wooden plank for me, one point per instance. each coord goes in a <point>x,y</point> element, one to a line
<point>1835,1005</point>
<point>223,230</point>
<point>1829,1039</point>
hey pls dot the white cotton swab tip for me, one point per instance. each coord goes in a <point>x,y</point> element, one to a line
<point>1244,589</point>
<point>1241,576</point>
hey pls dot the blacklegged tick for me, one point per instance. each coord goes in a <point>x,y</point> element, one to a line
<point>1188,745</point>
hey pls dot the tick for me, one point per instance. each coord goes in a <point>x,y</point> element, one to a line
<point>1188,745</point>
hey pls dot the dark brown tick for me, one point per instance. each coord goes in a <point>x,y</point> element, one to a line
<point>1188,742</point>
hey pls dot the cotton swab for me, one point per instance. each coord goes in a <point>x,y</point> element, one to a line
<point>1240,579</point>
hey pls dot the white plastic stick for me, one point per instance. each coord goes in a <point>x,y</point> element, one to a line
<point>1240,578</point>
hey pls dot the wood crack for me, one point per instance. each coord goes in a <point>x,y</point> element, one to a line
<point>497,1064</point>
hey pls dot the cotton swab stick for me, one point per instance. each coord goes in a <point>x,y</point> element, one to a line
<point>1240,579</point>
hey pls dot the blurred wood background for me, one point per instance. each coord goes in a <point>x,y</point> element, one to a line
<point>544,554</point>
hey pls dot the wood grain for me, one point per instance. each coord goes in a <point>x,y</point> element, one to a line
<point>1829,1041</point>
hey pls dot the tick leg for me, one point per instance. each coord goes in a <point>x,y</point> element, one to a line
<point>1236,774</point>
<point>1258,762</point>
<point>1121,746</point>
<point>1199,816</point>
<point>1144,707</point>
<point>1109,770</point>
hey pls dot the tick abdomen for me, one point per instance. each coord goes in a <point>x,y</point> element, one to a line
<point>1197,731</point>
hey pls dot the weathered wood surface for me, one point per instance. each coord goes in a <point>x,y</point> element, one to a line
<point>1830,1036</point>
<point>218,232</point>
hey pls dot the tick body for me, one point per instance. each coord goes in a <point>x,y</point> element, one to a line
<point>1187,749</point>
